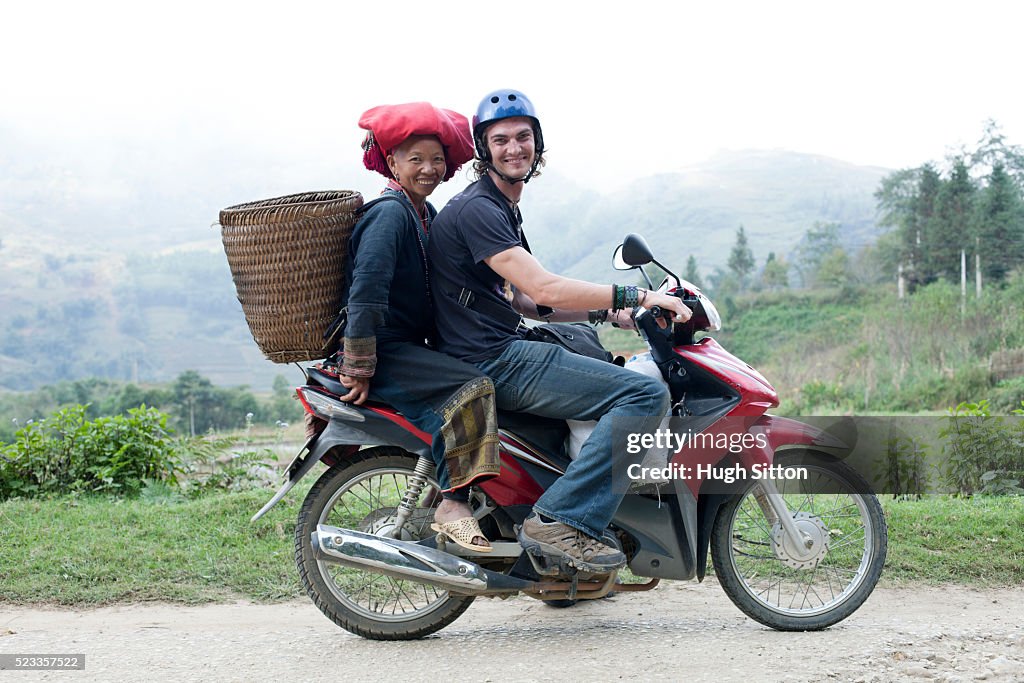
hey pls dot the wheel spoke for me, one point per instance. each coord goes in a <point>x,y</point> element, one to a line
<point>801,586</point>
<point>858,538</point>
<point>370,502</point>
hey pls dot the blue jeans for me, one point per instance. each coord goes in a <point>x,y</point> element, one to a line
<point>546,379</point>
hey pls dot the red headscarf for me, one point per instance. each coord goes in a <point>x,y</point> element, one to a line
<point>391,124</point>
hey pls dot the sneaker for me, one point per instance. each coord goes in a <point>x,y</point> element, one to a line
<point>561,541</point>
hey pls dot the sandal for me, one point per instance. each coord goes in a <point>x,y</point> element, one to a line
<point>463,531</point>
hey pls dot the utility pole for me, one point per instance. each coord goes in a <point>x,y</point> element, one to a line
<point>977,267</point>
<point>899,281</point>
<point>963,283</point>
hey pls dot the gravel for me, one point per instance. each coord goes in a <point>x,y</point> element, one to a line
<point>680,631</point>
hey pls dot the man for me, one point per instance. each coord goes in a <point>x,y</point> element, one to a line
<point>482,277</point>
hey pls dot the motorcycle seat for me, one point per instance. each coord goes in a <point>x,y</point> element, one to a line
<point>328,382</point>
<point>545,434</point>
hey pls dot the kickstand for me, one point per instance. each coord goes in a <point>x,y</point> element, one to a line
<point>575,585</point>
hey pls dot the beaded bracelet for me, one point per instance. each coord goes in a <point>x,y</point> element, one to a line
<point>630,299</point>
<point>618,294</point>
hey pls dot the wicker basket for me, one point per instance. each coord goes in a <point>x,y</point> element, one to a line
<point>287,258</point>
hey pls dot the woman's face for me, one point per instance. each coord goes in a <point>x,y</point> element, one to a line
<point>418,164</point>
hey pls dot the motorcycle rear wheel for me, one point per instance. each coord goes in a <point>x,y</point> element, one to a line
<point>362,494</point>
<point>773,590</point>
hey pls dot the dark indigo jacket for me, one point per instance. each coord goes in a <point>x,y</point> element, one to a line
<point>385,278</point>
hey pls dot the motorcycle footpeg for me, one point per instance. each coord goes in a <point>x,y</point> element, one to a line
<point>544,559</point>
<point>549,565</point>
<point>544,564</point>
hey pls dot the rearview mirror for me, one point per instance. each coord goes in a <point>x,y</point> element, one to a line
<point>634,251</point>
<point>618,263</point>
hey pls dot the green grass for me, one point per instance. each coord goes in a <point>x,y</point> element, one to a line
<point>97,550</point>
<point>976,541</point>
<point>797,323</point>
<point>94,550</point>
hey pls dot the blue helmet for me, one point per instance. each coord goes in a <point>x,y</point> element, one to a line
<point>503,104</point>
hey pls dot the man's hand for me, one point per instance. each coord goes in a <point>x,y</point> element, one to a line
<point>359,388</point>
<point>668,303</point>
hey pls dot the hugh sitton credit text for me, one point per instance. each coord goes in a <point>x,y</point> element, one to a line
<point>725,474</point>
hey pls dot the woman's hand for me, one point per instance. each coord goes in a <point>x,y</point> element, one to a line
<point>622,318</point>
<point>359,388</point>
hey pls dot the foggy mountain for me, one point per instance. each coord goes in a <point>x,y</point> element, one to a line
<point>121,275</point>
<point>776,196</point>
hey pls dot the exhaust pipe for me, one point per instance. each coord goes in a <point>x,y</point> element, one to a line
<point>411,561</point>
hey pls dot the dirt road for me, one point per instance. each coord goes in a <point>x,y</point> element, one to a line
<point>677,632</point>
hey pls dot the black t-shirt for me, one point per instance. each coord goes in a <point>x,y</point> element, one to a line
<point>476,224</point>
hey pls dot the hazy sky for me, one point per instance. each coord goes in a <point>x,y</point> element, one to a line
<point>624,89</point>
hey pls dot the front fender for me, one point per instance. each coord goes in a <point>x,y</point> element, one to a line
<point>783,433</point>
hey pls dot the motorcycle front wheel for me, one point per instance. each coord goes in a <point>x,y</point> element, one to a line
<point>781,589</point>
<point>363,495</point>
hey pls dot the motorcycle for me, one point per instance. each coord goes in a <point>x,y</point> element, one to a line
<point>791,556</point>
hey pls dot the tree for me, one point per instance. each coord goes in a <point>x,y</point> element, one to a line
<point>282,403</point>
<point>722,283</point>
<point>741,259</point>
<point>1000,225</point>
<point>895,196</point>
<point>920,266</point>
<point>977,208</point>
<point>993,150</point>
<point>691,274</point>
<point>950,230</point>
<point>834,269</point>
<point>131,396</point>
<point>192,394</point>
<point>812,250</point>
<point>878,262</point>
<point>776,273</point>
<point>200,407</point>
<point>906,203</point>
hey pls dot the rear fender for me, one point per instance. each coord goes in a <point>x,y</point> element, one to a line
<point>341,438</point>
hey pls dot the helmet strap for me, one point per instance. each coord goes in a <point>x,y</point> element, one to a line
<point>507,179</point>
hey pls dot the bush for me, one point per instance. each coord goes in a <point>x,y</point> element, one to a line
<point>67,453</point>
<point>932,388</point>
<point>905,470</point>
<point>1006,397</point>
<point>983,454</point>
<point>213,469</point>
<point>817,397</point>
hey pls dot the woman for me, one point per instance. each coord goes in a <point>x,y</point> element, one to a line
<point>386,350</point>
